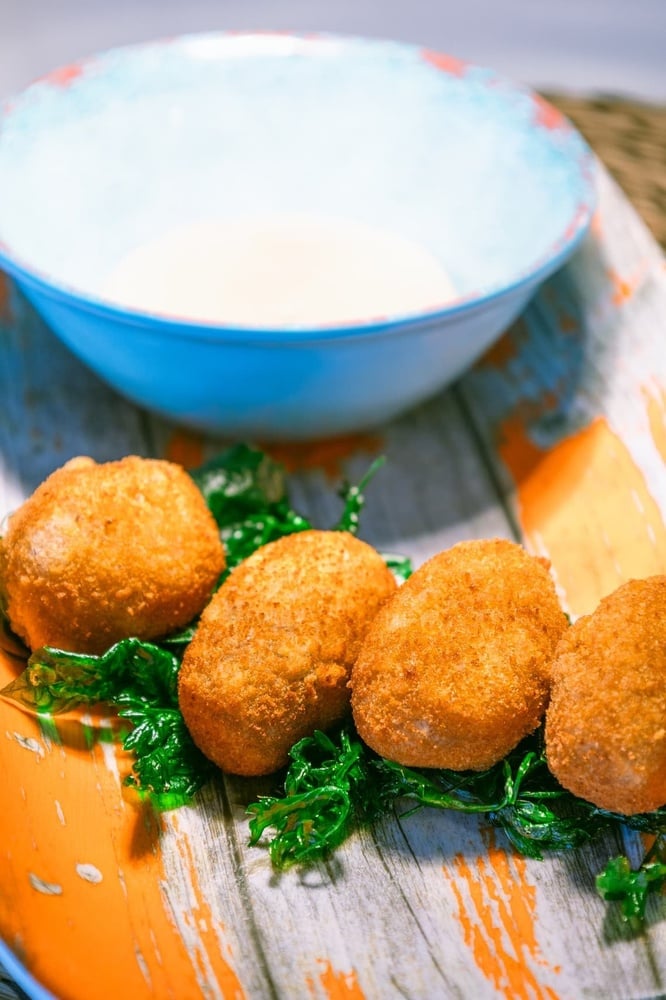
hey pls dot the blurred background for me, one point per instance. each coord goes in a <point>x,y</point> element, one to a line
<point>590,46</point>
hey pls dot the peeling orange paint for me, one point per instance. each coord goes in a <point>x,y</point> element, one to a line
<point>622,289</point>
<point>500,353</point>
<point>596,225</point>
<point>186,448</point>
<point>326,454</point>
<point>507,348</point>
<point>64,75</point>
<point>585,496</point>
<point>497,912</point>
<point>338,985</point>
<point>81,869</point>
<point>445,63</point>
<point>547,115</point>
<point>525,412</point>
<point>202,917</point>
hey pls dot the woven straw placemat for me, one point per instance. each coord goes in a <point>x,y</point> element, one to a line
<point>630,138</point>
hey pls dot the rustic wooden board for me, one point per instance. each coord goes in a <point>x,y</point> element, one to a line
<point>558,438</point>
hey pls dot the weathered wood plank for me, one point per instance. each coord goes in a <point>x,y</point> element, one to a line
<point>360,926</point>
<point>52,407</point>
<point>201,900</point>
<point>559,437</point>
<point>571,407</point>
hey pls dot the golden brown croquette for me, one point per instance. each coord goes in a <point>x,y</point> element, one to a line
<point>606,723</point>
<point>102,552</point>
<point>271,658</point>
<point>454,670</point>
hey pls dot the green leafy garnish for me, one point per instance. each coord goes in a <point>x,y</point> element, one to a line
<point>333,785</point>
<point>354,499</point>
<point>55,681</point>
<point>168,768</point>
<point>140,679</point>
<point>518,794</point>
<point>618,881</point>
<point>400,566</point>
<point>246,493</point>
<point>180,639</point>
<point>336,784</point>
<point>327,789</point>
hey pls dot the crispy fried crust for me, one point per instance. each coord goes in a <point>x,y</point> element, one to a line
<point>454,671</point>
<point>102,552</point>
<point>606,723</point>
<point>271,659</point>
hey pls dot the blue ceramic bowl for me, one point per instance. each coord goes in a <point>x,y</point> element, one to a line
<point>101,156</point>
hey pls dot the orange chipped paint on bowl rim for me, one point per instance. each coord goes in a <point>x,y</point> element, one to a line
<point>255,383</point>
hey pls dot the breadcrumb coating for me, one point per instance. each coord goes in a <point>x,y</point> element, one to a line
<point>455,669</point>
<point>271,659</point>
<point>606,723</point>
<point>102,552</point>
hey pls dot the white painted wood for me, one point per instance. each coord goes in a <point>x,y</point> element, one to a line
<point>613,295</point>
<point>406,909</point>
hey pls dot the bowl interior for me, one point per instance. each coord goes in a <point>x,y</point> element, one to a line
<point>108,154</point>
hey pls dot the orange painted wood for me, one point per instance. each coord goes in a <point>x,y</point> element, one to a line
<point>558,438</point>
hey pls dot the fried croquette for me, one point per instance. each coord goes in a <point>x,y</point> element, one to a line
<point>271,658</point>
<point>102,552</point>
<point>454,670</point>
<point>606,722</point>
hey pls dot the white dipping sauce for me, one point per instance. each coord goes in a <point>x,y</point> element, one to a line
<point>280,270</point>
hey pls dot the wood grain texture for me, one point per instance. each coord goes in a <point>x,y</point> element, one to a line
<point>558,438</point>
<point>570,407</point>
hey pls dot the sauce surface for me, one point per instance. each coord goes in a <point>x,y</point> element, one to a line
<point>280,270</point>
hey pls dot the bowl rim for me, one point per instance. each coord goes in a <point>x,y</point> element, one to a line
<point>555,255</point>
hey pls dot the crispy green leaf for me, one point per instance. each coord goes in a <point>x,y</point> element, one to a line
<point>168,767</point>
<point>246,493</point>
<point>400,566</point>
<point>518,795</point>
<point>631,888</point>
<point>327,786</point>
<point>354,499</point>
<point>55,680</point>
<point>240,482</point>
<point>335,784</point>
<point>140,679</point>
